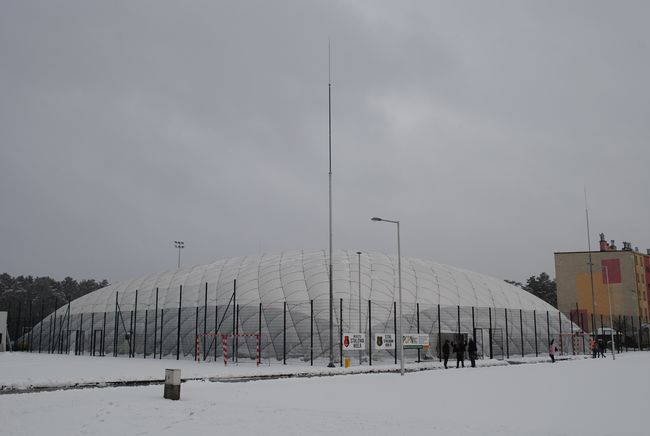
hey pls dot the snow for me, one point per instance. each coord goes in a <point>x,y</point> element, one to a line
<point>564,398</point>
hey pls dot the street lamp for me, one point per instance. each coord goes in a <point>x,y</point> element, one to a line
<point>179,245</point>
<point>398,340</point>
<point>360,330</point>
<point>611,324</point>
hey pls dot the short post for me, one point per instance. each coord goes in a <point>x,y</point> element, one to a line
<point>172,384</point>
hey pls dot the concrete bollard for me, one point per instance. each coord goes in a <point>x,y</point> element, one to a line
<point>173,384</point>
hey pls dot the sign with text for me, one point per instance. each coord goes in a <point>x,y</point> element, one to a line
<point>384,341</point>
<point>354,341</point>
<point>415,341</point>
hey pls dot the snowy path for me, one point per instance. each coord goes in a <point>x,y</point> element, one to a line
<point>543,399</point>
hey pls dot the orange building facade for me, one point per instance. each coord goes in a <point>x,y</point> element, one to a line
<point>621,276</point>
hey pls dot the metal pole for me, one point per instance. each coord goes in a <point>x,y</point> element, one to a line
<point>135,325</point>
<point>591,266</point>
<point>146,322</point>
<point>155,327</point>
<point>370,338</point>
<point>521,330</point>
<point>417,310</point>
<point>340,331</point>
<point>311,332</point>
<point>507,335</point>
<point>284,333</point>
<point>535,327</point>
<point>395,328</point>
<point>162,326</point>
<point>178,325</point>
<point>399,275</point>
<point>259,331</point>
<point>439,337</point>
<point>116,327</point>
<point>234,316</point>
<point>331,285</point>
<point>360,327</point>
<point>611,324</point>
<point>205,318</point>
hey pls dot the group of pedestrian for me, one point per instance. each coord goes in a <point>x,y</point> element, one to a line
<point>459,350</point>
<point>598,347</point>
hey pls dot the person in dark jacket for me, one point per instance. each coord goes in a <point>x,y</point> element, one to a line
<point>471,349</point>
<point>601,348</point>
<point>460,353</point>
<point>445,352</point>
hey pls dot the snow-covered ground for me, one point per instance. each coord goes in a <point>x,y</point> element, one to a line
<point>580,397</point>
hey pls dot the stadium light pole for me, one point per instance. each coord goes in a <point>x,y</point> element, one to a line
<point>611,324</point>
<point>359,257</point>
<point>398,340</point>
<point>179,245</point>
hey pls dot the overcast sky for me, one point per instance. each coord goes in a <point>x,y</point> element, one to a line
<point>125,125</point>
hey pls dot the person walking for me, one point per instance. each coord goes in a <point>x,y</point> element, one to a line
<point>460,353</point>
<point>551,350</point>
<point>601,348</point>
<point>471,349</point>
<point>445,352</point>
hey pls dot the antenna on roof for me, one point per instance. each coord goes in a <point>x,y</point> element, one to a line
<point>591,266</point>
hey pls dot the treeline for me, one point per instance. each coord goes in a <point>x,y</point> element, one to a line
<point>541,286</point>
<point>27,298</point>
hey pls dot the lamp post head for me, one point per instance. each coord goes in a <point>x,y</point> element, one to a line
<point>374,218</point>
<point>358,252</point>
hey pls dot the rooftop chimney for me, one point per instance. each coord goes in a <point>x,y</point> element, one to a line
<point>604,246</point>
<point>627,246</point>
<point>612,246</point>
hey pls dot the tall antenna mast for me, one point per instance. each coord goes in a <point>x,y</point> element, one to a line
<point>329,104</point>
<point>591,269</point>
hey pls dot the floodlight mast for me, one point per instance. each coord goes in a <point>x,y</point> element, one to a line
<point>331,286</point>
<point>179,245</point>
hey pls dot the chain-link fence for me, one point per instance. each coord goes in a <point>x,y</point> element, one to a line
<point>300,331</point>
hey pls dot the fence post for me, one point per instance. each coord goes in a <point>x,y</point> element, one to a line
<point>178,324</point>
<point>18,331</point>
<point>490,331</point>
<point>535,327</point>
<point>155,326</point>
<point>234,316</point>
<point>146,322</point>
<point>521,330</point>
<point>205,318</point>
<point>370,338</point>
<point>573,347</point>
<point>102,351</point>
<point>236,354</point>
<point>640,335</point>
<point>439,347</point>
<point>216,327</point>
<point>340,331</point>
<point>116,327</point>
<point>548,329</point>
<point>395,328</point>
<point>458,322</point>
<point>473,327</point>
<point>284,333</point>
<point>162,327</point>
<point>559,317</point>
<point>311,332</point>
<point>259,331</point>
<point>91,352</point>
<point>417,309</point>
<point>67,342</point>
<point>196,329</point>
<point>507,335</point>
<point>135,325</point>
